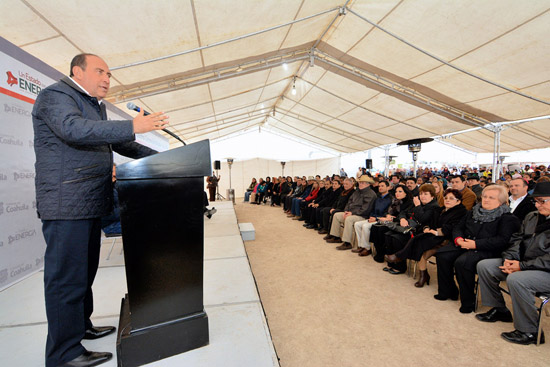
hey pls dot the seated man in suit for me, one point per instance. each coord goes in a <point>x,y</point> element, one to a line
<point>525,266</point>
<point>521,203</point>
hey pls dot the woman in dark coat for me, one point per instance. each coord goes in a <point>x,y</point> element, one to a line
<point>423,246</point>
<point>483,233</point>
<point>424,213</point>
<point>402,203</point>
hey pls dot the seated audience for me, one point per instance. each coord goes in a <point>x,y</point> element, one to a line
<point>423,246</point>
<point>338,206</point>
<point>295,206</point>
<point>298,190</point>
<point>250,189</point>
<point>309,210</point>
<point>521,203</point>
<point>402,203</point>
<point>328,200</point>
<point>424,213</point>
<point>473,184</point>
<point>313,194</point>
<point>483,233</point>
<point>411,185</point>
<point>286,189</point>
<point>525,266</point>
<point>260,192</point>
<point>357,208</point>
<point>379,210</point>
<point>468,196</point>
<point>276,192</point>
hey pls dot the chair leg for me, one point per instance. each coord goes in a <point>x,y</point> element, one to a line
<point>111,250</point>
<point>543,303</point>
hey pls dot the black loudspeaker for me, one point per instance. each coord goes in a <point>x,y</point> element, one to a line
<point>368,164</point>
<point>217,165</point>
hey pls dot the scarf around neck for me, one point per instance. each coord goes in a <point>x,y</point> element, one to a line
<point>485,216</point>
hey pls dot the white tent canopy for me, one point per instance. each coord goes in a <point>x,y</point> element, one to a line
<point>344,75</point>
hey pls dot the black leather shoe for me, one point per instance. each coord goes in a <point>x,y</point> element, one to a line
<point>89,359</point>
<point>520,337</point>
<point>395,272</point>
<point>494,315</point>
<point>440,297</point>
<point>466,309</point>
<point>97,332</point>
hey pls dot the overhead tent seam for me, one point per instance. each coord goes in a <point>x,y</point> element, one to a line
<point>366,109</point>
<point>222,42</point>
<point>446,62</point>
<point>406,92</point>
<point>228,97</point>
<point>225,112</point>
<point>334,130</point>
<point>306,133</point>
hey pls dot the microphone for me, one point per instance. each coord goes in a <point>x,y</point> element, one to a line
<point>132,106</point>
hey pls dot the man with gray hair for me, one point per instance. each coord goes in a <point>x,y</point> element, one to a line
<point>358,208</point>
<point>525,266</point>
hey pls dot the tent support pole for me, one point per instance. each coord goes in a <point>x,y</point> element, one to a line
<point>496,154</point>
<point>387,160</point>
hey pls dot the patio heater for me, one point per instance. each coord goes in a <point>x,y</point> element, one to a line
<point>230,190</point>
<point>414,147</point>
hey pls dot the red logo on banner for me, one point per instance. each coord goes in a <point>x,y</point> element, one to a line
<point>11,79</point>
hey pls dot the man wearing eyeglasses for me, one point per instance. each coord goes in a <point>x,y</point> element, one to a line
<point>525,266</point>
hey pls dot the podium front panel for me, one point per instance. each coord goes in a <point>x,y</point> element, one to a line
<point>163,230</point>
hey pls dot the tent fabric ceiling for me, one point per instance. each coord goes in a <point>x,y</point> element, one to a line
<point>366,73</point>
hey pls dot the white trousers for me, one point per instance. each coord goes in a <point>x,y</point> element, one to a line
<point>362,231</point>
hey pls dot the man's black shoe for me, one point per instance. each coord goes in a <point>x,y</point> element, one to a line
<point>97,332</point>
<point>89,359</point>
<point>520,337</point>
<point>494,315</point>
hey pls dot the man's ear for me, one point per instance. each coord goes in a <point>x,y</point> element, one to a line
<point>77,72</point>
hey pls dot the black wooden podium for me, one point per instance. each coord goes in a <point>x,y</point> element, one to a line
<point>161,209</point>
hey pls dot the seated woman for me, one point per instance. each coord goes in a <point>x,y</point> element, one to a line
<point>286,189</point>
<point>260,192</point>
<point>482,234</point>
<point>250,189</point>
<point>423,246</point>
<point>316,190</point>
<point>401,203</point>
<point>268,189</point>
<point>276,192</point>
<point>424,213</point>
<point>438,186</point>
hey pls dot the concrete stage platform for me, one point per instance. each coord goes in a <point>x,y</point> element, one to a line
<point>239,335</point>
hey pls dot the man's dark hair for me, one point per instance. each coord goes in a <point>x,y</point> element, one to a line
<point>458,176</point>
<point>384,182</point>
<point>411,178</point>
<point>80,61</point>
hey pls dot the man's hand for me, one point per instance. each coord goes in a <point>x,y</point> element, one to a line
<point>154,121</point>
<point>403,222</point>
<point>372,219</point>
<point>346,214</point>
<point>510,266</point>
<point>467,244</point>
<point>416,201</point>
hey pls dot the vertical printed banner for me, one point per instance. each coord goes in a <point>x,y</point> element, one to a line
<point>21,242</point>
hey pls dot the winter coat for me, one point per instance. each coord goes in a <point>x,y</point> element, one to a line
<point>74,144</point>
<point>531,245</point>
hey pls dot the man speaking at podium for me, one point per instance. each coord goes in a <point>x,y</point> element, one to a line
<point>73,143</point>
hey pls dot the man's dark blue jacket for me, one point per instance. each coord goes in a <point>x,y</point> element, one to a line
<point>73,143</point>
